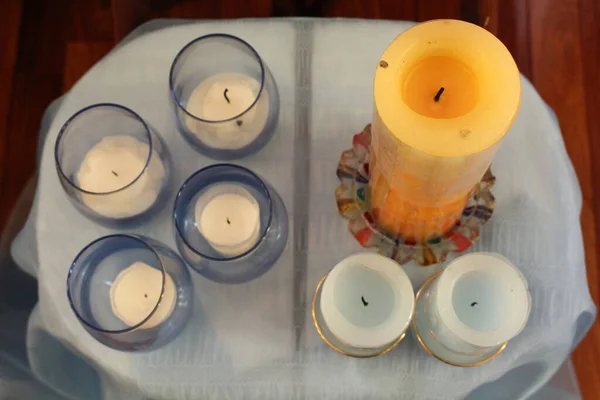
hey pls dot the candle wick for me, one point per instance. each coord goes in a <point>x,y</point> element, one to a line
<point>145,295</point>
<point>239,122</point>
<point>473,304</point>
<point>365,303</point>
<point>225,94</point>
<point>438,95</point>
<point>114,173</point>
<point>228,221</point>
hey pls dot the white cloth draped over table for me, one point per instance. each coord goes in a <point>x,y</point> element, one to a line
<point>257,340</point>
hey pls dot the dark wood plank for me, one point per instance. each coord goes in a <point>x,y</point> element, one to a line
<point>396,10</point>
<point>470,11</point>
<point>36,81</point>
<point>509,21</point>
<point>246,9</point>
<point>587,357</point>
<point>93,21</point>
<point>557,70</point>
<point>285,8</point>
<point>10,18</point>
<point>489,15</point>
<point>31,96</point>
<point>80,57</point>
<point>436,9</point>
<point>188,9</point>
<point>43,36</point>
<point>128,14</point>
<point>350,9</point>
<point>380,9</point>
<point>557,73</point>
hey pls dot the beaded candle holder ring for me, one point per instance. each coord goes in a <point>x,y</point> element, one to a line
<point>352,197</point>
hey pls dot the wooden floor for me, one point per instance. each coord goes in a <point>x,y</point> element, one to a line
<point>46,45</point>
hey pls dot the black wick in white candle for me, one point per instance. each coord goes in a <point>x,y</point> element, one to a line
<point>365,303</point>
<point>228,221</point>
<point>114,173</point>
<point>473,304</point>
<point>438,95</point>
<point>227,98</point>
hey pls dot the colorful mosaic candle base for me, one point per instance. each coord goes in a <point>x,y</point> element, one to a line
<point>353,204</point>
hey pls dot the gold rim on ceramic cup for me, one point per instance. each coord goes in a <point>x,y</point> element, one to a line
<point>424,345</point>
<point>377,352</point>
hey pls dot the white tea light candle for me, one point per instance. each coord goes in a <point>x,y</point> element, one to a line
<point>367,301</point>
<point>222,97</point>
<point>479,301</point>
<point>111,165</point>
<point>228,217</point>
<point>136,291</point>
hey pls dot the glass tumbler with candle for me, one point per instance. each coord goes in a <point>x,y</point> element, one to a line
<point>225,98</point>
<point>111,165</point>
<point>230,225</point>
<point>130,292</point>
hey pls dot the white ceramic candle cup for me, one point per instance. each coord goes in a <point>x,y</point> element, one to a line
<point>224,96</point>
<point>479,302</point>
<point>367,301</point>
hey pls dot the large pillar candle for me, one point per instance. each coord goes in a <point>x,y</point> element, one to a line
<point>446,92</point>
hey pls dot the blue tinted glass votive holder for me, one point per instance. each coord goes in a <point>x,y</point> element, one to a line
<point>130,292</point>
<point>230,225</point>
<point>111,164</point>
<point>224,97</point>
